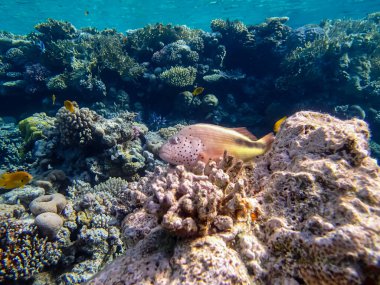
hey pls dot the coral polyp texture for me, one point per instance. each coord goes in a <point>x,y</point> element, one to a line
<point>102,147</point>
<point>23,251</point>
<point>205,200</point>
<point>307,212</point>
<point>320,200</point>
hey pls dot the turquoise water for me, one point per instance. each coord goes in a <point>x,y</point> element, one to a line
<point>20,16</point>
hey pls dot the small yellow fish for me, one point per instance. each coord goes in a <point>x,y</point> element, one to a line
<point>278,124</point>
<point>10,180</point>
<point>205,141</point>
<point>53,97</point>
<point>197,91</point>
<point>86,13</point>
<point>69,106</point>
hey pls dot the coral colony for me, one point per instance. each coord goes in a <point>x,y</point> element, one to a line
<point>85,197</point>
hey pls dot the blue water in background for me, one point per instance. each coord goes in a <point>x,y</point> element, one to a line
<point>20,16</point>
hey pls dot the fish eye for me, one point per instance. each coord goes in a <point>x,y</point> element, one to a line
<point>175,140</point>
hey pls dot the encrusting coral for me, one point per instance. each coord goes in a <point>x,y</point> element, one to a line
<point>32,128</point>
<point>306,212</point>
<point>318,191</point>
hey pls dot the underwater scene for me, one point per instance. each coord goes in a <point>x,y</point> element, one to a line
<point>190,142</point>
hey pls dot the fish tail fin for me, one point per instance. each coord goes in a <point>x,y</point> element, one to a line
<point>267,140</point>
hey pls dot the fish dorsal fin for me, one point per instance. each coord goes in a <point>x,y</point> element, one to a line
<point>245,132</point>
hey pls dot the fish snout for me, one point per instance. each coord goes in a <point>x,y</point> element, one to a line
<point>163,153</point>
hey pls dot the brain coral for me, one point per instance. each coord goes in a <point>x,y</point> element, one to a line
<point>314,219</point>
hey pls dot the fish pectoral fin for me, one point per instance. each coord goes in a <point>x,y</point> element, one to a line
<point>245,132</point>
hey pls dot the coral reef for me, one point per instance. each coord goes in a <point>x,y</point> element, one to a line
<point>309,214</point>
<point>54,203</point>
<point>49,224</point>
<point>82,237</point>
<point>85,141</point>
<point>32,128</point>
<point>257,66</point>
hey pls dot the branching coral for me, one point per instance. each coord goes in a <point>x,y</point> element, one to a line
<point>178,76</point>
<point>207,199</point>
<point>109,54</point>
<point>56,30</point>
<point>142,43</point>
<point>11,144</point>
<point>23,253</point>
<point>77,128</point>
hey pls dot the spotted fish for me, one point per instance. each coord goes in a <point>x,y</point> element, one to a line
<point>205,141</point>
